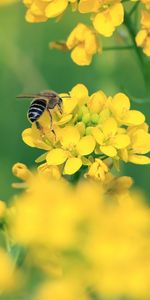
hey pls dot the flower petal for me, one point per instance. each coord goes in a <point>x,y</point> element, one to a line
<point>120,104</point>
<point>139,159</point>
<point>56,156</point>
<point>80,92</point>
<point>117,14</point>
<point>98,135</point>
<point>86,145</point>
<point>109,127</point>
<point>56,8</point>
<point>103,24</point>
<point>72,165</point>
<point>80,56</point>
<point>133,117</point>
<point>121,141</point>
<point>87,6</point>
<point>27,137</point>
<point>141,141</point>
<point>70,136</point>
<point>108,150</point>
<point>64,120</point>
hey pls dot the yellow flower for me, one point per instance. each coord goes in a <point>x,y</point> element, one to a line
<point>97,170</point>
<point>84,43</point>
<point>90,125</point>
<point>109,138</point>
<point>51,172</point>
<point>40,11</point>
<point>108,15</point>
<point>88,237</point>
<point>120,108</point>
<point>140,144</point>
<point>21,171</point>
<point>73,148</point>
<point>71,288</point>
<point>143,36</point>
<point>9,277</point>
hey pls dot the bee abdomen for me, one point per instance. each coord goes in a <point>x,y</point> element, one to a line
<point>36,109</point>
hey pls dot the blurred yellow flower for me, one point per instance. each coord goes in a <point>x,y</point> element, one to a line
<point>100,240</point>
<point>84,43</point>
<point>108,14</point>
<point>143,36</point>
<point>40,11</point>
<point>10,279</point>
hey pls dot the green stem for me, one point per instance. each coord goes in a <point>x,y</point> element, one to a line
<point>118,48</point>
<point>133,9</point>
<point>128,23</point>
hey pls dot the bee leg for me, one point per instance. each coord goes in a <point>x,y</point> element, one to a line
<point>51,123</point>
<point>39,127</point>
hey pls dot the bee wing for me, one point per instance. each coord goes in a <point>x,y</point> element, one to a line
<point>28,96</point>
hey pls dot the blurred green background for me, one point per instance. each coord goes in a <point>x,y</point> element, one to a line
<point>28,65</point>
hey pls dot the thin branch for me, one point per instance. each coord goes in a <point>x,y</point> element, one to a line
<point>118,48</point>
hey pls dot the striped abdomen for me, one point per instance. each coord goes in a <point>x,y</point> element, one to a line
<point>36,109</point>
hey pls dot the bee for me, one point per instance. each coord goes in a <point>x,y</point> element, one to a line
<point>43,101</point>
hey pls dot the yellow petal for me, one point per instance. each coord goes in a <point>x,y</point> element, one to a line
<point>87,6</point>
<point>121,141</point>
<point>69,105</point>
<point>109,127</point>
<point>141,141</point>
<point>98,135</point>
<point>97,102</point>
<point>56,8</point>
<point>120,104</point>
<point>108,150</point>
<point>80,56</point>
<point>27,137</point>
<point>103,24</point>
<point>56,157</point>
<point>70,136</point>
<point>80,92</point>
<point>139,159</point>
<point>133,117</point>
<point>140,37</point>
<point>64,120</point>
<point>72,165</point>
<point>117,14</point>
<point>86,145</point>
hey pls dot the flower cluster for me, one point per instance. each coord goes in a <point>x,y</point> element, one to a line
<point>107,14</point>
<point>143,36</point>
<point>93,133</point>
<point>40,11</point>
<point>81,242</point>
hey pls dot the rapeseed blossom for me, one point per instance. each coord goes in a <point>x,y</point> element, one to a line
<point>40,11</point>
<point>85,239</point>
<point>108,14</point>
<point>143,36</point>
<point>84,43</point>
<point>91,127</point>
